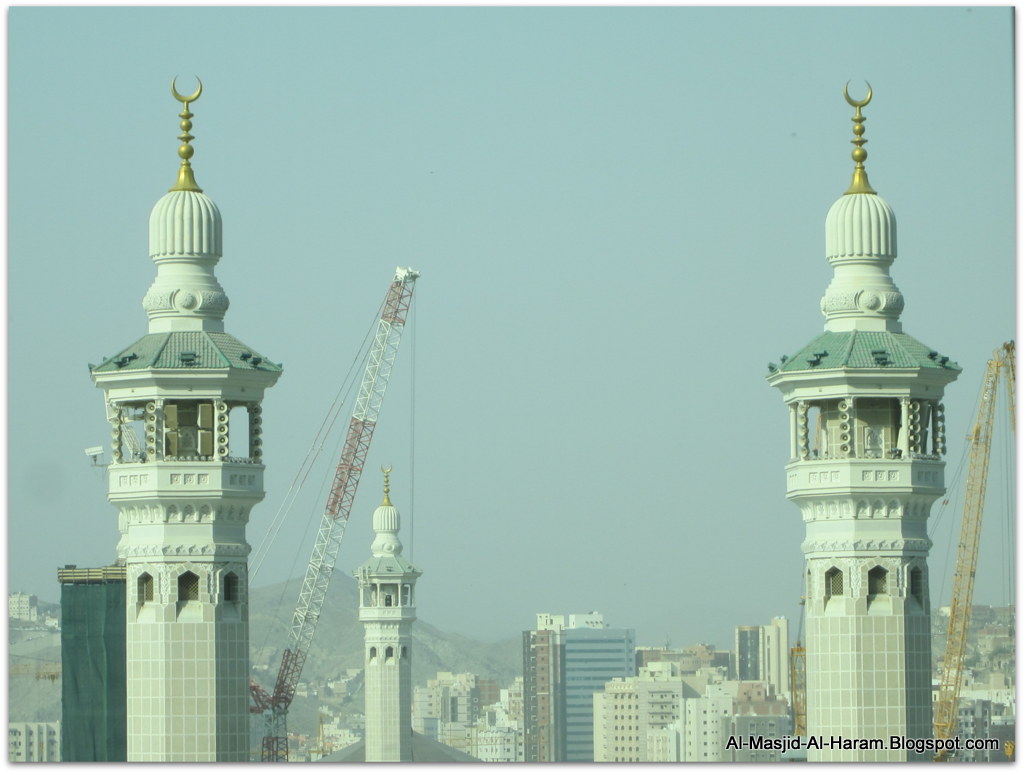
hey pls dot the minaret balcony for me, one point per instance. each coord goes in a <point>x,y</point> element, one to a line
<point>386,614</point>
<point>197,478</point>
<point>854,475</point>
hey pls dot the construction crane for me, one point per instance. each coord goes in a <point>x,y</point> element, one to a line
<point>798,686</point>
<point>980,439</point>
<point>381,359</point>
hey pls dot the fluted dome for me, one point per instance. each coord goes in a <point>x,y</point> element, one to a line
<point>860,224</point>
<point>386,524</point>
<point>185,222</point>
<point>385,518</point>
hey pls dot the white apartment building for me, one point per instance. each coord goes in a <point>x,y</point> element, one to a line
<point>630,711</point>
<point>22,606</point>
<point>33,741</point>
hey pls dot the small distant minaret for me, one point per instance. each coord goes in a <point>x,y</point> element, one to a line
<point>184,406</point>
<point>387,609</point>
<point>866,440</point>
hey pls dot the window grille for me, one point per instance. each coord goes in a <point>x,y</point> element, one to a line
<point>833,583</point>
<point>145,588</point>
<point>231,587</point>
<point>878,581</point>
<point>188,587</point>
<point>917,584</point>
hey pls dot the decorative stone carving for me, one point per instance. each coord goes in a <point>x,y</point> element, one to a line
<point>185,300</point>
<point>157,300</point>
<point>212,300</point>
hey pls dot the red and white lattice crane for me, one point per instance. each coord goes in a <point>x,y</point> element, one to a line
<point>381,359</point>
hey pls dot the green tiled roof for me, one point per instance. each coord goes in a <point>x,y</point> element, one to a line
<point>864,349</point>
<point>194,349</point>
<point>384,564</point>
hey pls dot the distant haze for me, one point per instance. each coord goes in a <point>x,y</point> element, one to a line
<point>618,214</point>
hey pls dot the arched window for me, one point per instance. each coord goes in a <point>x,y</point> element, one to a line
<point>231,587</point>
<point>833,583</point>
<point>373,654</point>
<point>389,653</point>
<point>145,587</point>
<point>917,584</point>
<point>878,581</point>
<point>188,587</point>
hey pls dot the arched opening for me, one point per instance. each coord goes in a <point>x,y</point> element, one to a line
<point>188,587</point>
<point>833,583</point>
<point>878,581</point>
<point>917,584</point>
<point>231,587</point>
<point>145,588</point>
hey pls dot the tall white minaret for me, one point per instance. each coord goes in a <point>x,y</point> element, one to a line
<point>387,609</point>
<point>867,436</point>
<point>184,405</point>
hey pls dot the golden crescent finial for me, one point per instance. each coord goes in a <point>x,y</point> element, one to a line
<point>860,182</point>
<point>387,485</point>
<point>186,179</point>
<point>854,102</point>
<point>195,94</point>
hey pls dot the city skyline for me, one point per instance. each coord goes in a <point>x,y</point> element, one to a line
<point>618,216</point>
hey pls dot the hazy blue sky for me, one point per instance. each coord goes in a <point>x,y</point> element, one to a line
<point>619,219</point>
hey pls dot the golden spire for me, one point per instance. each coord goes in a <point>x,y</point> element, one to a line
<point>186,180</point>
<point>387,487</point>
<point>860,182</point>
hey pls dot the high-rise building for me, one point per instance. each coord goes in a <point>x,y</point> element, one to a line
<point>542,701</point>
<point>762,654</point>
<point>690,659</point>
<point>866,440</point>
<point>93,654</point>
<point>33,742</point>
<point>184,405</point>
<point>630,711</point>
<point>387,609</point>
<point>564,665</point>
<point>451,700</point>
<point>22,606</point>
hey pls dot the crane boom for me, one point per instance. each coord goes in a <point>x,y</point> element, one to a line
<point>970,532</point>
<point>380,361</point>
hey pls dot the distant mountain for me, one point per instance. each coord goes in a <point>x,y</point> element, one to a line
<point>338,644</point>
<point>33,676</point>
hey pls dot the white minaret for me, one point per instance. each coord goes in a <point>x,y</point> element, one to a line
<point>866,446</point>
<point>387,609</point>
<point>183,402</point>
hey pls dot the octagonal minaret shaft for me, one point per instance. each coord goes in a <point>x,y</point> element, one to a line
<point>387,609</point>
<point>184,403</point>
<point>867,436</point>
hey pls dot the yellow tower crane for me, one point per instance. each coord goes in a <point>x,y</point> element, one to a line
<point>1002,363</point>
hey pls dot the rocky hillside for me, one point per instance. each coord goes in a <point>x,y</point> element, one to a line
<point>34,654</point>
<point>338,644</point>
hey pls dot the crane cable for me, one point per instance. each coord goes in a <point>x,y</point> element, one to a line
<point>313,454</point>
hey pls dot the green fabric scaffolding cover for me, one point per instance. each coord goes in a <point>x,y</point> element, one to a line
<point>93,657</point>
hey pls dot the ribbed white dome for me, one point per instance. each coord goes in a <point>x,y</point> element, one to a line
<point>386,523</point>
<point>385,518</point>
<point>185,223</point>
<point>860,224</point>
